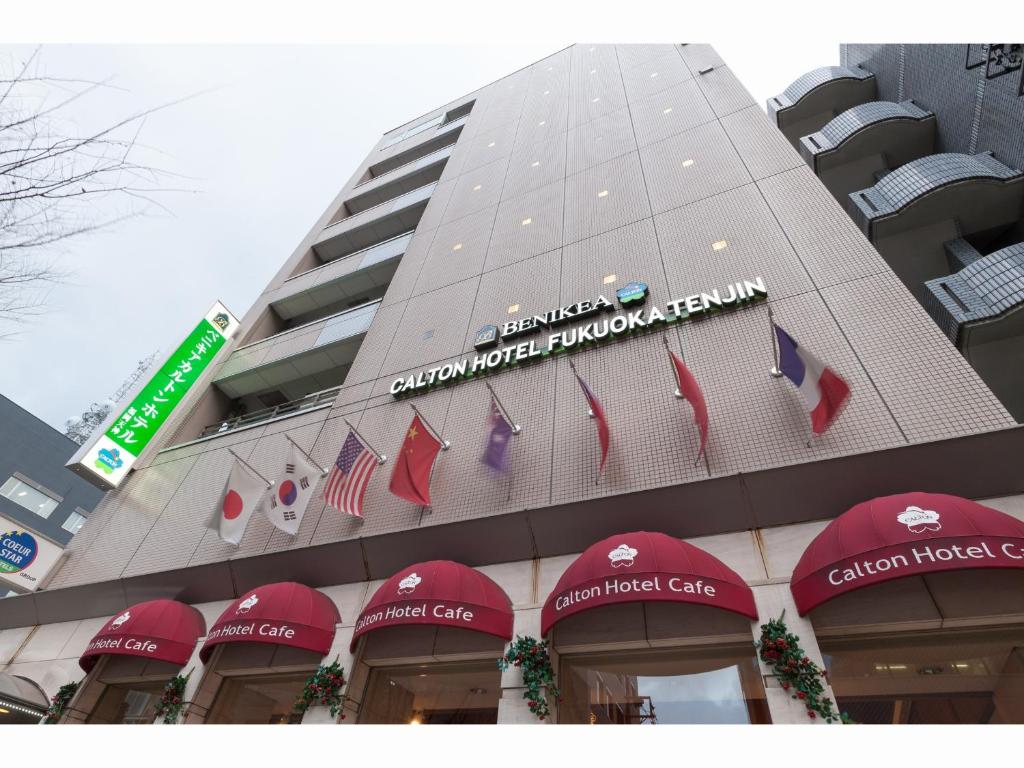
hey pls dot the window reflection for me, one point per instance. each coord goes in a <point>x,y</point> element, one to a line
<point>431,694</point>
<point>663,687</point>
<point>947,677</point>
<point>259,700</point>
<point>128,704</point>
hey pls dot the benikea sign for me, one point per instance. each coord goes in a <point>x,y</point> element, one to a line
<point>510,344</point>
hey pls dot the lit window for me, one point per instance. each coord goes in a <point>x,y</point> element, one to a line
<point>603,193</point>
<point>593,71</point>
<point>527,221</point>
<point>609,279</point>
<point>654,74</point>
<point>535,163</point>
<point>74,523</point>
<point>596,99</point>
<point>457,247</point>
<point>24,495</point>
<point>666,110</point>
<point>491,144</point>
<point>477,188</point>
<point>542,122</point>
<point>513,309</point>
<point>719,245</point>
<point>687,163</point>
<point>546,92</point>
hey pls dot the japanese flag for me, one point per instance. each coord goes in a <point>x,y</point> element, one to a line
<point>295,485</point>
<point>241,497</point>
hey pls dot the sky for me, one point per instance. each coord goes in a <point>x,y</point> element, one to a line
<point>269,136</point>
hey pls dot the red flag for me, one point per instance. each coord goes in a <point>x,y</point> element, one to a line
<point>410,479</point>
<point>690,390</point>
<point>602,423</point>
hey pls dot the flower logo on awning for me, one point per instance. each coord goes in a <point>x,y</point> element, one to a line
<point>408,584</point>
<point>920,520</point>
<point>120,620</point>
<point>247,605</point>
<point>622,556</point>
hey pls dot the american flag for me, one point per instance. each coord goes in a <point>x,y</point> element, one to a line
<point>348,478</point>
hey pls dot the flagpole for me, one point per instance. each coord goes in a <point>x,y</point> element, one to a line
<point>664,337</point>
<point>516,429</point>
<point>590,411</point>
<point>775,372</point>
<point>250,467</point>
<point>445,445</point>
<point>381,458</point>
<point>323,472</point>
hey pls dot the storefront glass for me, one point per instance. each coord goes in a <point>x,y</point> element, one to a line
<point>128,704</point>
<point>659,687</point>
<point>433,694</point>
<point>937,677</point>
<point>259,699</point>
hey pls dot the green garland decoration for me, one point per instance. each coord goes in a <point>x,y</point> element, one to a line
<point>780,650</point>
<point>324,688</point>
<point>172,699</point>
<point>59,702</point>
<point>532,657</point>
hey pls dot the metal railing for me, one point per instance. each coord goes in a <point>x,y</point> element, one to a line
<point>314,400</point>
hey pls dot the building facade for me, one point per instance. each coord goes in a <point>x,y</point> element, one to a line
<point>890,543</point>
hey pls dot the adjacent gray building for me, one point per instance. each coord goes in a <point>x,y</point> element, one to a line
<point>924,147</point>
<point>35,488</point>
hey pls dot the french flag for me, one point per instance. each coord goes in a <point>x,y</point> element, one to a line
<point>824,391</point>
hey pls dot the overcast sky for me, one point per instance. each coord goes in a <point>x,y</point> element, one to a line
<point>265,151</point>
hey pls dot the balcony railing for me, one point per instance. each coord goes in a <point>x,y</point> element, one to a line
<point>372,226</point>
<point>307,403</point>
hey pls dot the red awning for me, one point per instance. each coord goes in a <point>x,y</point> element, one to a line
<point>158,629</point>
<point>438,593</point>
<point>896,536</point>
<point>642,566</point>
<point>282,614</point>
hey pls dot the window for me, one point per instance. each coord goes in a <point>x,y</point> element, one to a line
<point>719,685</point>
<point>259,699</point>
<point>129,704</point>
<point>973,676</point>
<point>74,523</point>
<point>461,693</point>
<point>32,499</point>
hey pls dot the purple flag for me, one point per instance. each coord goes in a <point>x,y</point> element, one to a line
<point>496,454</point>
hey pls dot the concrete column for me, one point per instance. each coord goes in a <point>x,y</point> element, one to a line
<point>339,649</point>
<point>512,707</point>
<point>89,691</point>
<point>771,599</point>
<point>192,684</point>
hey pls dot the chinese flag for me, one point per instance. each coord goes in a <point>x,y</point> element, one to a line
<point>410,480</point>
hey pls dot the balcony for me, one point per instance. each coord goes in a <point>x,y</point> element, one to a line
<point>339,280</point>
<point>981,310</point>
<point>977,190</point>
<point>815,98</point>
<point>405,178</point>
<point>373,225</point>
<point>912,212</point>
<point>311,402</point>
<point>312,356</point>
<point>867,141</point>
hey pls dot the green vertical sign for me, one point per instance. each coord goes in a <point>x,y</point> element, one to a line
<point>140,421</point>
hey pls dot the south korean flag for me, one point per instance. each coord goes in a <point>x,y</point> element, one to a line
<point>295,485</point>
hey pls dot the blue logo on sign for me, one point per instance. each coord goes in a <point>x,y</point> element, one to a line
<point>108,460</point>
<point>632,293</point>
<point>18,549</point>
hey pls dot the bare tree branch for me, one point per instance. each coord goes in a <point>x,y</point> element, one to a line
<point>53,178</point>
